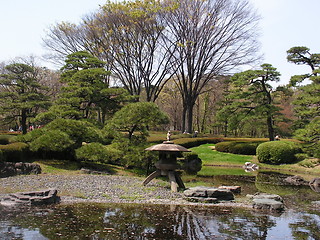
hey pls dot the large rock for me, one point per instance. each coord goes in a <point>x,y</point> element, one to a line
<point>315,184</point>
<point>8,169</point>
<point>269,202</point>
<point>208,193</point>
<point>296,180</point>
<point>48,196</point>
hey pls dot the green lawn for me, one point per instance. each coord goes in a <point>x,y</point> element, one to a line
<point>212,157</point>
<point>219,163</point>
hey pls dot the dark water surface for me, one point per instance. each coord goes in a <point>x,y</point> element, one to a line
<point>112,221</point>
<point>301,220</point>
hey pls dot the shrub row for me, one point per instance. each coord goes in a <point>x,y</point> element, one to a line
<point>5,139</point>
<point>14,152</point>
<point>245,148</point>
<point>278,152</point>
<point>194,142</point>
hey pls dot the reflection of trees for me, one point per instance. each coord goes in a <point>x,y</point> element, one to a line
<point>246,226</point>
<point>307,227</point>
<point>131,221</point>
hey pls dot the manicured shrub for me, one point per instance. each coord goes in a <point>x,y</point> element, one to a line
<point>133,154</point>
<point>194,142</point>
<point>277,152</point>
<point>191,162</point>
<point>5,139</point>
<point>78,131</point>
<point>223,146</point>
<point>243,148</point>
<point>14,152</point>
<point>53,140</point>
<point>97,152</point>
<point>30,136</point>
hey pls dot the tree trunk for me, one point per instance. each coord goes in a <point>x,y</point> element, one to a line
<point>184,113</point>
<point>24,121</point>
<point>270,128</point>
<point>189,118</point>
<point>225,128</point>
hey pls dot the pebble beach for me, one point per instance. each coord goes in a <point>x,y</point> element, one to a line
<point>94,188</point>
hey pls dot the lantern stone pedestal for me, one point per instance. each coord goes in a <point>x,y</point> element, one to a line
<point>167,164</point>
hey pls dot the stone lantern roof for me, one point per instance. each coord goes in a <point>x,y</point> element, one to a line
<point>167,146</point>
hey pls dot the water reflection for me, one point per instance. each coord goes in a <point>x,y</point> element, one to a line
<point>114,221</point>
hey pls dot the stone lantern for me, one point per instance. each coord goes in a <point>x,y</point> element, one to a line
<point>167,164</point>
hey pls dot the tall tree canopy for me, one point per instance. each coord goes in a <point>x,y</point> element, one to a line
<point>129,37</point>
<point>21,94</point>
<point>251,95</point>
<point>307,102</point>
<point>146,42</point>
<point>86,93</point>
<point>213,38</point>
<point>138,117</point>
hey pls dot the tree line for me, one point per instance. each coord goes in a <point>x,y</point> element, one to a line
<point>178,54</point>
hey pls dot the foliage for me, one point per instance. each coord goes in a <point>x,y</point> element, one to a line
<point>191,162</point>
<point>311,136</point>
<point>245,148</point>
<point>14,152</point>
<point>133,154</point>
<point>223,146</point>
<point>277,152</point>
<point>227,32</point>
<point>52,140</point>
<point>21,94</point>
<point>307,101</point>
<point>251,96</point>
<point>194,142</point>
<point>30,136</point>
<point>61,137</point>
<point>97,152</point>
<point>86,93</point>
<point>78,131</point>
<point>138,117</point>
<point>5,139</point>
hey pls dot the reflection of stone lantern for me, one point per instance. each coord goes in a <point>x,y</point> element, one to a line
<point>167,164</point>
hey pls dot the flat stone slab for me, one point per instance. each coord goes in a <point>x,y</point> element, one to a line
<point>233,189</point>
<point>269,202</point>
<point>48,196</point>
<point>209,192</point>
<point>201,199</point>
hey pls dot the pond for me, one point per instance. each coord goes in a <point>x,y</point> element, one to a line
<point>301,220</point>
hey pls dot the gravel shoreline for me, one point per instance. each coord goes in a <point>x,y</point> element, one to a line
<point>94,188</point>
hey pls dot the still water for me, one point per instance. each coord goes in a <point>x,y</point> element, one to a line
<point>301,220</point>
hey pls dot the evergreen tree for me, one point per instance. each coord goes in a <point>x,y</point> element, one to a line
<point>86,93</point>
<point>252,96</point>
<point>21,94</point>
<point>307,102</point>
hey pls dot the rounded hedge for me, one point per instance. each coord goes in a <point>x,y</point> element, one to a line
<point>223,146</point>
<point>246,148</point>
<point>97,152</point>
<point>52,140</point>
<point>277,152</point>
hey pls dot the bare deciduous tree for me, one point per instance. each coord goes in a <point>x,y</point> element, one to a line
<point>214,37</point>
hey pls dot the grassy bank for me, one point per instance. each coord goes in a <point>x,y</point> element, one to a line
<point>219,163</point>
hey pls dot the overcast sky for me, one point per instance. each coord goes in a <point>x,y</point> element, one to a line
<point>284,24</point>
